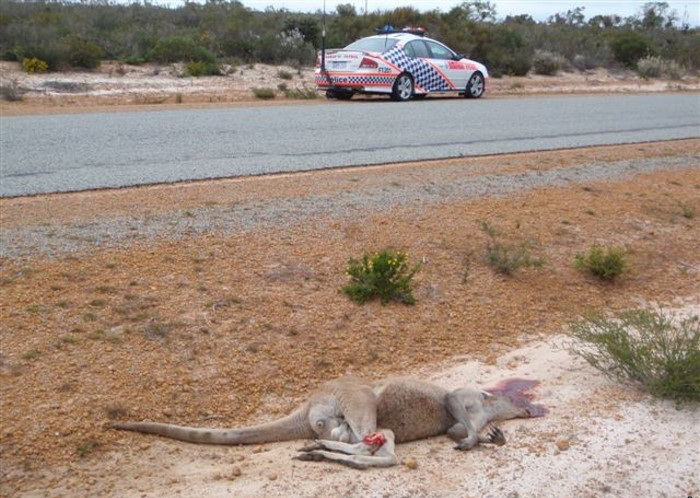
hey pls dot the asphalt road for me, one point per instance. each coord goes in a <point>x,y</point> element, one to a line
<point>56,153</point>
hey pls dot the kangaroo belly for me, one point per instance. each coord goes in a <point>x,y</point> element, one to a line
<point>412,409</point>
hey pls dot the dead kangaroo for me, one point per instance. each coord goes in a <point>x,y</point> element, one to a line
<point>357,423</point>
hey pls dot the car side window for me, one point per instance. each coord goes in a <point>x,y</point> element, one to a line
<point>439,52</point>
<point>417,48</point>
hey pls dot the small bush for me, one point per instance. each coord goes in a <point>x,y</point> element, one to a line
<point>547,64</point>
<point>605,264</point>
<point>508,258</point>
<point>285,75</point>
<point>584,63</point>
<point>630,46</point>
<point>385,275</point>
<point>201,68</point>
<point>134,60</point>
<point>656,67</point>
<point>83,53</point>
<point>661,352</point>
<point>178,49</point>
<point>264,93</point>
<point>301,93</point>
<point>11,91</point>
<point>34,65</point>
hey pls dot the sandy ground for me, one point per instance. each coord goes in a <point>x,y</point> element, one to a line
<point>226,328</point>
<point>119,86</point>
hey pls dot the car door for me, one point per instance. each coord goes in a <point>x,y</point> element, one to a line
<point>428,77</point>
<point>445,59</point>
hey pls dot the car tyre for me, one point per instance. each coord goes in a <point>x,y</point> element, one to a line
<point>475,86</point>
<point>344,95</point>
<point>402,90</point>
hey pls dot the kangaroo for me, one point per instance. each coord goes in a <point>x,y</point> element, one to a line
<point>357,423</point>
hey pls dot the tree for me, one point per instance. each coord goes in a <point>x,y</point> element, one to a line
<point>657,15</point>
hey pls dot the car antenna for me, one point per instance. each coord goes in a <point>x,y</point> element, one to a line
<point>323,46</point>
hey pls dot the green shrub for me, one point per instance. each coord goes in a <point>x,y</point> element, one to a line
<point>630,46</point>
<point>661,352</point>
<point>177,49</point>
<point>82,53</point>
<point>547,64</point>
<point>385,275</point>
<point>605,264</point>
<point>264,93</point>
<point>34,65</point>
<point>133,60</point>
<point>200,68</point>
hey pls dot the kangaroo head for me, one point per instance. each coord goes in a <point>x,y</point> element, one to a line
<point>510,398</point>
<point>327,423</point>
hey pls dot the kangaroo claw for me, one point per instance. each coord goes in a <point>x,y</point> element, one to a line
<point>496,436</point>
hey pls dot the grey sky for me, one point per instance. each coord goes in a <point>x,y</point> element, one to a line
<point>539,9</point>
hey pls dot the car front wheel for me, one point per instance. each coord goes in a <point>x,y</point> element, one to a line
<point>475,86</point>
<point>403,88</point>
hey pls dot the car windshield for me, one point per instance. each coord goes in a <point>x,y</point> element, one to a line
<point>373,44</point>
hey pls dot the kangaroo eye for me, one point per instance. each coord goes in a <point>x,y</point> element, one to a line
<point>320,424</point>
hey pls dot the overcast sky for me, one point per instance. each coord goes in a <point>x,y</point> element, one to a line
<point>538,9</point>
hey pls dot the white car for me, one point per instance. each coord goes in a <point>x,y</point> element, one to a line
<point>403,64</point>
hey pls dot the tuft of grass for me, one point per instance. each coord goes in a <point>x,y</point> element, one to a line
<point>606,264</point>
<point>31,355</point>
<point>386,275</point>
<point>659,351</point>
<point>301,93</point>
<point>687,211</point>
<point>116,411</point>
<point>507,258</point>
<point>35,309</point>
<point>87,447</point>
<point>285,75</point>
<point>264,93</point>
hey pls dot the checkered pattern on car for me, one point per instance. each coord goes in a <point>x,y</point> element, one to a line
<point>358,80</point>
<point>425,75</point>
<point>371,80</point>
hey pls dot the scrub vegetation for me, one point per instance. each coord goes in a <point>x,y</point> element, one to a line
<point>386,275</point>
<point>659,351</point>
<point>63,34</point>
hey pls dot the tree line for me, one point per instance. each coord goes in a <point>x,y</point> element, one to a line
<point>64,34</point>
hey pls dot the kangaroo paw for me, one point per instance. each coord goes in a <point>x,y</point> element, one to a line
<point>311,456</point>
<point>316,445</point>
<point>466,444</point>
<point>496,436</point>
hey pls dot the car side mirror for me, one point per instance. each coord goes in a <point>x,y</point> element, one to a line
<point>458,57</point>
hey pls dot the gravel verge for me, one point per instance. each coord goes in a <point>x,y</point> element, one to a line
<point>63,239</point>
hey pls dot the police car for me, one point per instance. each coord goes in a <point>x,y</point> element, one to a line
<point>404,64</point>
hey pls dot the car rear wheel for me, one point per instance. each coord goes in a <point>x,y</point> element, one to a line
<point>475,86</point>
<point>403,88</point>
